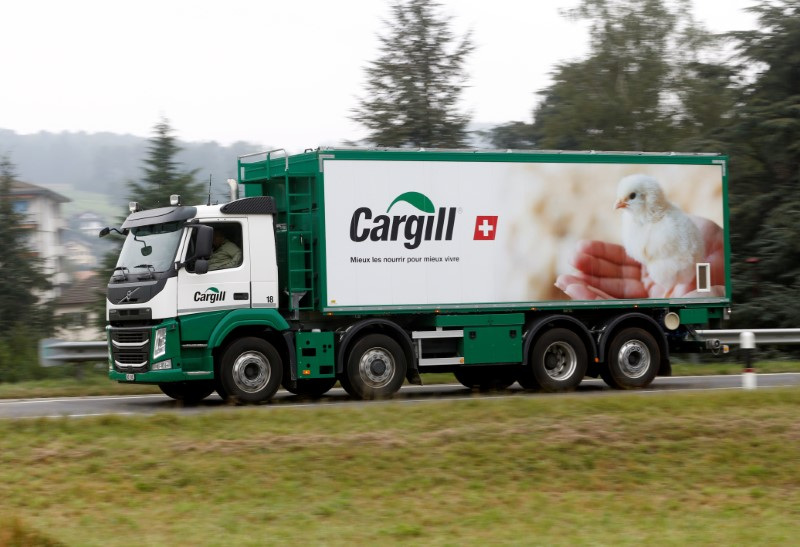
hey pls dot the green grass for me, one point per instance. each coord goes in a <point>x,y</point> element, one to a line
<point>676,469</point>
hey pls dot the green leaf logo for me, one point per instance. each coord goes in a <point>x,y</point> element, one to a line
<point>415,199</point>
<point>212,289</point>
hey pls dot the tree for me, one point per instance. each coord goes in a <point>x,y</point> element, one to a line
<point>765,167</point>
<point>162,176</point>
<point>21,273</point>
<point>414,86</point>
<point>642,87</point>
<point>25,316</point>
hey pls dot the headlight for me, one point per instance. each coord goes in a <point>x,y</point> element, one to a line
<point>160,344</point>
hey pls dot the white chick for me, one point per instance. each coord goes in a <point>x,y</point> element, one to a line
<point>657,233</point>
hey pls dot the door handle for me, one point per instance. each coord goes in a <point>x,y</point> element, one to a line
<point>241,296</point>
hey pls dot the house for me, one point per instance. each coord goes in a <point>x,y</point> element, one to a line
<point>77,310</point>
<point>40,209</point>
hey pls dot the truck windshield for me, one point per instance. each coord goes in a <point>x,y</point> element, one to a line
<point>150,248</point>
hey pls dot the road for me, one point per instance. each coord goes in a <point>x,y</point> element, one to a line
<point>150,404</point>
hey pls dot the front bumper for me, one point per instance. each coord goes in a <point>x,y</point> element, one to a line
<point>136,356</point>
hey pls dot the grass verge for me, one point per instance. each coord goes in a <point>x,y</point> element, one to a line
<point>710,468</point>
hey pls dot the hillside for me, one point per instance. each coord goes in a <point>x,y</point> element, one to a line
<point>101,163</point>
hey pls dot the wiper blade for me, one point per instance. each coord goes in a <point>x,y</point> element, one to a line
<point>123,273</point>
<point>150,270</point>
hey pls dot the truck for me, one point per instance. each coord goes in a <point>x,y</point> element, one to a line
<point>371,267</point>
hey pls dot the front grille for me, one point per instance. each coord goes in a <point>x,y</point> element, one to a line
<point>130,349</point>
<point>130,336</point>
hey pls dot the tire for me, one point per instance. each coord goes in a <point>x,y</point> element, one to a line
<point>313,388</point>
<point>376,367</point>
<point>485,378</point>
<point>558,362</point>
<point>251,370</point>
<point>189,393</point>
<point>633,360</point>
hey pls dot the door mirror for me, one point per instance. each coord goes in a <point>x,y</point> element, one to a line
<point>205,237</point>
<point>201,266</point>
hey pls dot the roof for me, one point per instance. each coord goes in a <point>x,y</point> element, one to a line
<point>84,291</point>
<point>21,189</point>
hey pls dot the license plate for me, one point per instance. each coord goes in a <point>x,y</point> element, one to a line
<point>130,377</point>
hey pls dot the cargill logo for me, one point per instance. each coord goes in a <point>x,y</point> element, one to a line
<point>436,225</point>
<point>211,295</point>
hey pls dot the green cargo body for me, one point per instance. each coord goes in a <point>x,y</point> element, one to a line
<point>320,193</point>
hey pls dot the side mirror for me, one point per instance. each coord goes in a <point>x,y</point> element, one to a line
<point>105,231</point>
<point>201,266</point>
<point>203,245</point>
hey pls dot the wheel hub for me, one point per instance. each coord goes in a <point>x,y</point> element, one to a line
<point>560,360</point>
<point>376,367</point>
<point>634,359</point>
<point>251,371</point>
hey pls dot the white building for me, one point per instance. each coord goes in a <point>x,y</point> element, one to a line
<point>41,212</point>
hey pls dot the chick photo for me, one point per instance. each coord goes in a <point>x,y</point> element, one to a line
<point>657,233</point>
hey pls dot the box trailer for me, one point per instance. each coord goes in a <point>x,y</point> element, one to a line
<point>371,267</point>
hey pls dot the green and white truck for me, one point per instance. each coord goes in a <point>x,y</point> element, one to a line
<point>371,267</point>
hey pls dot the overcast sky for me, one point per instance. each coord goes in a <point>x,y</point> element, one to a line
<point>283,74</point>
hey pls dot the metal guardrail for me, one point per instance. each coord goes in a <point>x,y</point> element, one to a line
<point>54,352</point>
<point>762,336</point>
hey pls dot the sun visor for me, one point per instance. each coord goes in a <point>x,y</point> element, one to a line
<point>158,216</point>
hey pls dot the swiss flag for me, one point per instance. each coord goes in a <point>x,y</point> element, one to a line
<point>485,228</point>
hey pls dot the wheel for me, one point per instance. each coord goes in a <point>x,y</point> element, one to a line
<point>313,388</point>
<point>376,367</point>
<point>187,392</point>
<point>633,360</point>
<point>251,370</point>
<point>558,362</point>
<point>485,378</point>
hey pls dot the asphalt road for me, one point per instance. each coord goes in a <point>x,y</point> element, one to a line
<point>150,404</point>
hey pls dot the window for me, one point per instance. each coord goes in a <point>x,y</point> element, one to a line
<point>228,251</point>
<point>704,277</point>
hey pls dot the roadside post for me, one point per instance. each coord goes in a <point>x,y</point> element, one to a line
<point>747,344</point>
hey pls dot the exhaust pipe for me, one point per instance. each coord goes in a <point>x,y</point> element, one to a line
<point>234,189</point>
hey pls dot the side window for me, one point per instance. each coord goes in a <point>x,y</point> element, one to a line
<point>227,246</point>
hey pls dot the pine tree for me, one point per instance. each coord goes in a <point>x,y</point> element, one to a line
<point>162,178</point>
<point>21,274</point>
<point>162,174</point>
<point>414,87</point>
<point>765,171</point>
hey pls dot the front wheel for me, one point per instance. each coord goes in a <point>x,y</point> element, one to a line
<point>189,393</point>
<point>376,367</point>
<point>251,370</point>
<point>633,360</point>
<point>558,362</point>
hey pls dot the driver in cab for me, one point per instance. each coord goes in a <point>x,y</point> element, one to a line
<point>226,253</point>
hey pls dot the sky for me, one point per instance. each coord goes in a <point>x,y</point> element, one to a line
<point>278,74</point>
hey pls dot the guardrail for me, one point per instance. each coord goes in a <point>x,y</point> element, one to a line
<point>54,352</point>
<point>762,336</point>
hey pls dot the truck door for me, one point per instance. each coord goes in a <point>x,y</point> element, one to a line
<point>227,284</point>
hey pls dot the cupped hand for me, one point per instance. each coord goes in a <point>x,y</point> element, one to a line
<point>605,271</point>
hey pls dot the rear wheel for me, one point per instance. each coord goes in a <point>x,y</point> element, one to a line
<point>251,370</point>
<point>485,378</point>
<point>188,392</point>
<point>633,360</point>
<point>557,362</point>
<point>376,367</point>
